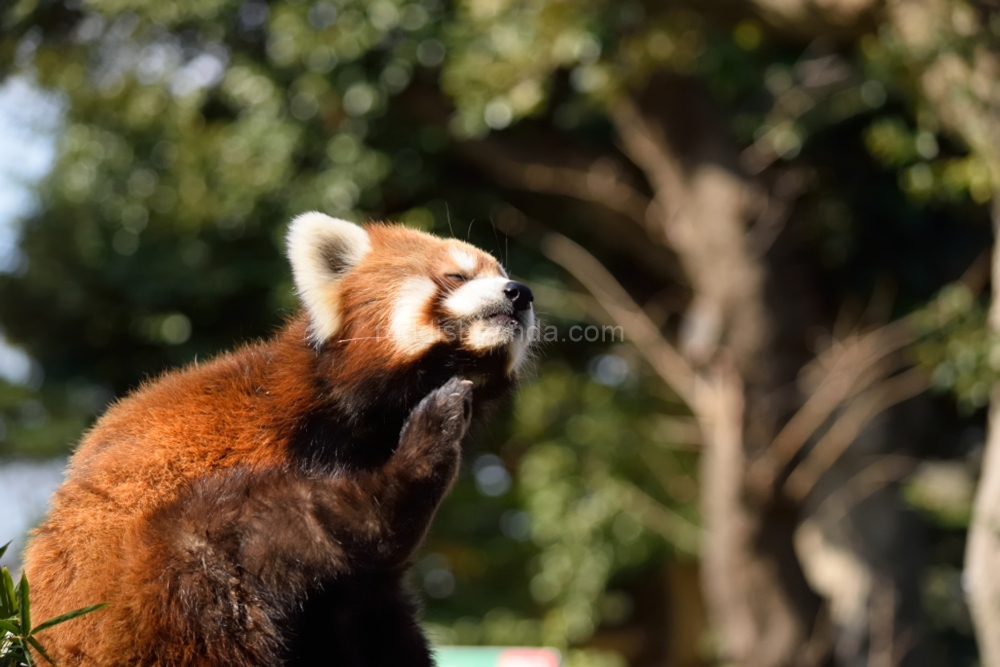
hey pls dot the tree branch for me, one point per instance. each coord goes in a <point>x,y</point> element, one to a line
<point>650,151</point>
<point>624,311</point>
<point>599,184</point>
<point>700,203</point>
<point>848,426</point>
<point>659,518</point>
<point>872,478</point>
<point>843,371</point>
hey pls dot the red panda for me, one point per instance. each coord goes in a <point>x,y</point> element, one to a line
<point>262,508</point>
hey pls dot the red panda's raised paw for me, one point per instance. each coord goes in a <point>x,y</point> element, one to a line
<point>443,414</point>
<point>430,443</point>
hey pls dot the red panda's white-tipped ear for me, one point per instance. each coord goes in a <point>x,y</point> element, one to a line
<point>322,250</point>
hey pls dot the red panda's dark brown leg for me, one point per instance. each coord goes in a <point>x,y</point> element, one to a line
<point>424,466</point>
<point>377,519</point>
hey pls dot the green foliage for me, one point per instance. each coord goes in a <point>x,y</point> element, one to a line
<point>926,173</point>
<point>42,422</point>
<point>595,446</point>
<point>958,347</point>
<point>934,167</point>
<point>586,528</point>
<point>17,634</point>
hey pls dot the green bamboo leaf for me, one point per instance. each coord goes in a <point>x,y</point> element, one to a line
<point>10,627</point>
<point>3,549</point>
<point>24,596</point>
<point>38,647</point>
<point>67,617</point>
<point>6,602</point>
<point>8,584</point>
<point>27,654</point>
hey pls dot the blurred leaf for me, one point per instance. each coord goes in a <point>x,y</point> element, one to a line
<point>24,599</point>
<point>67,617</point>
<point>41,651</point>
<point>11,591</point>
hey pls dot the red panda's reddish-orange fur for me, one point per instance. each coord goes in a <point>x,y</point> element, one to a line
<point>261,508</point>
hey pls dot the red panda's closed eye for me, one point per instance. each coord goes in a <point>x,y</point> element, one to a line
<point>456,277</point>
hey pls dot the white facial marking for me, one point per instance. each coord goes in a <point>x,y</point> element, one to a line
<point>466,261</point>
<point>410,330</point>
<point>477,298</point>
<point>322,250</point>
<point>476,302</point>
<point>485,336</point>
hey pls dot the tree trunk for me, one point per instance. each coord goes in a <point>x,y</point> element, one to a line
<point>982,555</point>
<point>758,599</point>
<point>757,596</point>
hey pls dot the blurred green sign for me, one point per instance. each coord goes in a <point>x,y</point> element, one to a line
<point>462,656</point>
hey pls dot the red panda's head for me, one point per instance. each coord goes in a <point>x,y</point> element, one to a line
<point>387,297</point>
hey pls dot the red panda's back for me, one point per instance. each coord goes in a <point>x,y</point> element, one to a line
<point>146,449</point>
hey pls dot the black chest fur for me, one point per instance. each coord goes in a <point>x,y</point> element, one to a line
<point>364,621</point>
<point>356,426</point>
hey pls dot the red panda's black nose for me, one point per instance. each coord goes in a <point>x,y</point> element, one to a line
<point>519,295</point>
